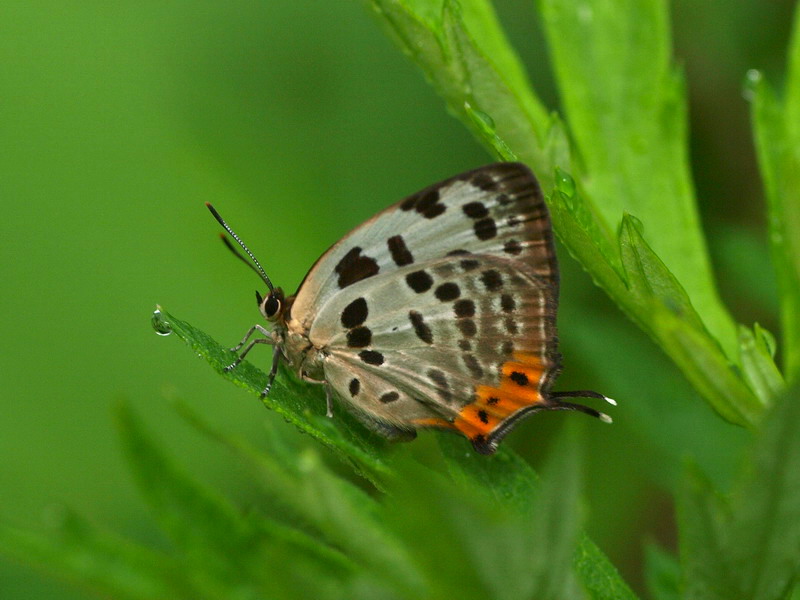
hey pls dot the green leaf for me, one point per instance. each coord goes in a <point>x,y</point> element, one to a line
<point>307,492</point>
<point>662,573</point>
<point>504,475</point>
<point>759,369</point>
<point>225,549</point>
<point>102,562</point>
<point>586,234</point>
<point>599,577</point>
<point>626,108</point>
<point>672,320</point>
<point>466,547</point>
<point>464,54</point>
<point>777,136</point>
<point>648,278</point>
<point>764,547</point>
<point>708,370</point>
<point>556,519</point>
<point>301,404</point>
<point>702,516</point>
<point>749,548</point>
<point>511,484</point>
<point>490,541</point>
<point>537,551</point>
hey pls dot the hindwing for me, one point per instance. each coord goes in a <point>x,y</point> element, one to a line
<point>465,342</point>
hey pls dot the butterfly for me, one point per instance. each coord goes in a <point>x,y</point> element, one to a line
<point>438,312</point>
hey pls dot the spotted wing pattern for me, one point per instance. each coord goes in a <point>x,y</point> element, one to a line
<point>438,312</point>
<point>497,210</point>
<point>466,342</point>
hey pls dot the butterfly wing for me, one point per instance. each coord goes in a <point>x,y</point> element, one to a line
<point>473,349</point>
<point>497,210</point>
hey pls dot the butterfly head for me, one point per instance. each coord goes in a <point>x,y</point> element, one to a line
<point>272,305</point>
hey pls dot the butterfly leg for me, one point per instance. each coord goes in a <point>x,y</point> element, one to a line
<point>328,402</point>
<point>243,353</point>
<point>253,329</point>
<point>328,393</point>
<point>276,360</point>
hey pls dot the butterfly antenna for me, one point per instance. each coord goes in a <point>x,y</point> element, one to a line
<point>238,254</point>
<point>257,268</point>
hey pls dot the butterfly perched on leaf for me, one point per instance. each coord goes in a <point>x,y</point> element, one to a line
<point>438,312</point>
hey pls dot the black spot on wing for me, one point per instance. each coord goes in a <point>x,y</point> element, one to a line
<point>408,203</point>
<point>485,229</point>
<point>355,313</point>
<point>473,365</point>
<point>428,204</point>
<point>483,181</point>
<point>371,357</point>
<point>447,291</point>
<point>354,387</point>
<point>464,308</point>
<point>400,253</point>
<point>469,263</point>
<point>359,337</point>
<point>467,327</point>
<point>389,397</point>
<point>512,247</point>
<point>511,326</point>
<point>507,303</point>
<point>434,211</point>
<point>440,381</point>
<point>491,280</point>
<point>419,281</point>
<point>475,210</point>
<point>420,328</point>
<point>354,267</point>
<point>519,378</point>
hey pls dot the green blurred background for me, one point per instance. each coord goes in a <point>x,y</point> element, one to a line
<point>298,120</point>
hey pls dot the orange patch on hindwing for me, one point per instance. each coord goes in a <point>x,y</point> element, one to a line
<point>518,389</point>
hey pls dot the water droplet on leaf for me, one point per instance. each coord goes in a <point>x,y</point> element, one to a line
<point>565,183</point>
<point>160,324</point>
<point>478,116</point>
<point>751,82</point>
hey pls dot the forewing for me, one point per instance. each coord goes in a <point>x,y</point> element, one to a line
<point>465,342</point>
<point>497,210</point>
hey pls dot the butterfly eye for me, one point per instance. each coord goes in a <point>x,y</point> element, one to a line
<point>272,306</point>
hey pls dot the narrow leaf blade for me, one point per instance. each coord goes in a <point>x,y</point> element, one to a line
<point>80,553</point>
<point>702,516</point>
<point>510,481</point>
<point>299,403</point>
<point>308,492</point>
<point>764,546</point>
<point>626,107</point>
<point>778,147</point>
